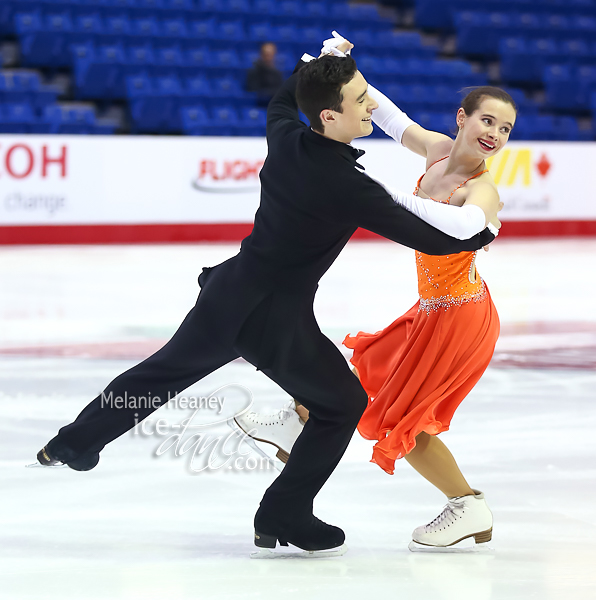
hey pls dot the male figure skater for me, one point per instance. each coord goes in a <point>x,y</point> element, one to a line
<point>259,303</point>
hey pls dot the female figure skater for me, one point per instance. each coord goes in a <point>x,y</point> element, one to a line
<point>418,370</point>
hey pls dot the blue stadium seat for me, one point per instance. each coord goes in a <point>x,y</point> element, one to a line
<point>44,41</point>
<point>252,122</point>
<point>315,11</point>
<point>174,31</point>
<point>405,44</point>
<point>557,26</point>
<point>150,110</point>
<point>576,50</point>
<point>563,88</point>
<point>584,26</point>
<point>528,25</point>
<point>116,29</point>
<point>263,32</point>
<point>197,89</point>
<point>478,33</point>
<point>265,8</point>
<point>16,118</point>
<point>224,120</point>
<point>180,8</point>
<point>194,120</point>
<point>228,32</point>
<point>69,119</point>
<point>435,121</point>
<point>227,62</point>
<point>168,61</point>
<point>227,87</point>
<point>143,31</point>
<point>101,73</point>
<point>198,58</point>
<point>87,28</point>
<point>200,30</point>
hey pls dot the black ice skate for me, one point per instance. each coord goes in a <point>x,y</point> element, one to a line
<point>55,455</point>
<point>316,539</point>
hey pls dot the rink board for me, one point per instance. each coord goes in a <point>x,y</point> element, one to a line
<point>127,189</point>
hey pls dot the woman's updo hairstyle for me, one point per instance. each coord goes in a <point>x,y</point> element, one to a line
<point>472,101</point>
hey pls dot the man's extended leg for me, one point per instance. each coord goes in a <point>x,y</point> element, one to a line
<point>198,348</point>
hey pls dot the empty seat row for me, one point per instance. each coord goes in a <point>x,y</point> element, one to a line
<point>480,32</point>
<point>249,9</point>
<point>159,115</point>
<point>47,42</point>
<point>19,86</point>
<point>100,72</point>
<point>414,71</point>
<point>21,118</point>
<point>569,87</point>
<point>525,60</point>
<point>438,14</point>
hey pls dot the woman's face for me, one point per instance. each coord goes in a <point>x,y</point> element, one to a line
<point>487,129</point>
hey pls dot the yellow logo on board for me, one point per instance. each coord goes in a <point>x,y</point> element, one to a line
<point>511,167</point>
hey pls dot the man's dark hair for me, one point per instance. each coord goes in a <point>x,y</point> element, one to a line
<point>319,86</point>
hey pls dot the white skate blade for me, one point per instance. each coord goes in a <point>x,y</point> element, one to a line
<point>253,445</point>
<point>266,553</point>
<point>467,546</point>
<point>37,465</point>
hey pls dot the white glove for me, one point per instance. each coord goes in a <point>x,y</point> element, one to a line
<point>330,45</point>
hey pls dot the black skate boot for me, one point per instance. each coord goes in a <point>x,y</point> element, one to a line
<point>54,454</point>
<point>313,536</point>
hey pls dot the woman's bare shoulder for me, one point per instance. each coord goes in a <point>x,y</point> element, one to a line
<point>439,150</point>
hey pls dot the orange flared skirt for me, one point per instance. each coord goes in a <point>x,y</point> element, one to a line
<point>418,370</point>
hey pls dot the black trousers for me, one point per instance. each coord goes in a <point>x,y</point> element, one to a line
<point>308,366</point>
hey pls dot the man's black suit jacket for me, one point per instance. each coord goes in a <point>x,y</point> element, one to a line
<point>313,198</point>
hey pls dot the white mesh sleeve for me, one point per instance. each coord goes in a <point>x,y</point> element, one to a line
<point>461,222</point>
<point>388,116</point>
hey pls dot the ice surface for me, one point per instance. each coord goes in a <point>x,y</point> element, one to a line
<point>146,527</point>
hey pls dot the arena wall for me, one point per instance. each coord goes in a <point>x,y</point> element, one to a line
<point>140,189</point>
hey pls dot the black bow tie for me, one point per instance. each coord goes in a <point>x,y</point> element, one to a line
<point>356,153</point>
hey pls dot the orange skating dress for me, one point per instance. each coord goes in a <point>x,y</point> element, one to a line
<point>417,370</point>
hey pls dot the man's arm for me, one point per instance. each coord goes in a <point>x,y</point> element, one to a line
<point>372,208</point>
<point>282,112</point>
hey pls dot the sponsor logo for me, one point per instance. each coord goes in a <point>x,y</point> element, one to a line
<point>218,176</point>
<point>20,161</point>
<point>514,168</point>
<point>46,203</point>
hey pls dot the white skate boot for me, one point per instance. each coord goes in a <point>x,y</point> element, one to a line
<point>280,429</point>
<point>463,518</point>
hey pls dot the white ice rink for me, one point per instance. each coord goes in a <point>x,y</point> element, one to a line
<point>142,527</point>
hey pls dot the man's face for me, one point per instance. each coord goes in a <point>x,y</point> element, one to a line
<point>268,52</point>
<point>355,120</point>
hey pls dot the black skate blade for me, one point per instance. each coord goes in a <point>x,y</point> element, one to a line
<point>268,553</point>
<point>251,443</point>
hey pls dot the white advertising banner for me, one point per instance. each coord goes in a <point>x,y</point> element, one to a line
<point>94,180</point>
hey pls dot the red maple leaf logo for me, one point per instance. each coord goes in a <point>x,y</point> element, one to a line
<point>543,165</point>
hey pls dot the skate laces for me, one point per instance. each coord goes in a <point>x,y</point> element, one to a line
<point>447,516</point>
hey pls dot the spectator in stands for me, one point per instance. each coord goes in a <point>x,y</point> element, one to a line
<point>265,78</point>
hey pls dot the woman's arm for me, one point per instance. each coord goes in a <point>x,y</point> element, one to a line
<point>396,123</point>
<point>460,222</point>
<point>486,196</point>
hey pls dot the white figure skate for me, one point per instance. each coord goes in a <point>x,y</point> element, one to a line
<point>464,518</point>
<point>280,429</point>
